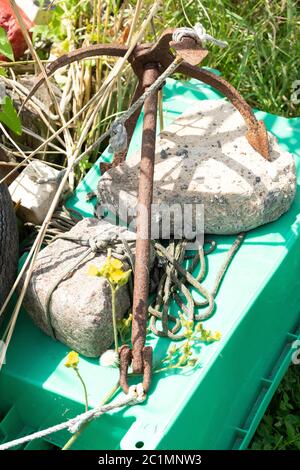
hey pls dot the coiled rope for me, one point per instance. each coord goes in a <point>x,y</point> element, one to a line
<point>174,286</point>
<point>174,281</point>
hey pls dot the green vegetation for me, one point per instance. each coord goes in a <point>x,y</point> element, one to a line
<point>9,117</point>
<point>263,56</point>
<point>8,114</point>
<point>5,46</point>
<point>280,427</point>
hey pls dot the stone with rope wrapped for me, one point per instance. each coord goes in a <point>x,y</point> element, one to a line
<point>173,281</point>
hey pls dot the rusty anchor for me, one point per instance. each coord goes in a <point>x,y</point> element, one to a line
<point>149,61</point>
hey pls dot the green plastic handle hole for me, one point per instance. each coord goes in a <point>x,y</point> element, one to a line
<point>139,444</point>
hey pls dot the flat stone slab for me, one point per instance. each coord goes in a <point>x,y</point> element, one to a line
<point>80,307</point>
<point>205,158</point>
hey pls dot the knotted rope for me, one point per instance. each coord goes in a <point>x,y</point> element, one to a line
<point>118,137</point>
<point>199,34</point>
<point>121,249</point>
<point>135,396</point>
<point>117,131</point>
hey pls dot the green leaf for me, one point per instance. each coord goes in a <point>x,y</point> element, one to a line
<point>9,117</point>
<point>5,46</point>
<point>292,427</point>
<point>3,72</point>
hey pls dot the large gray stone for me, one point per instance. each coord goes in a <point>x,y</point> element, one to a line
<point>81,304</point>
<point>205,158</point>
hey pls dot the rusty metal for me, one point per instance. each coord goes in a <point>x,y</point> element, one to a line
<point>189,51</point>
<point>149,61</point>
<point>143,223</point>
<point>256,135</point>
<point>95,50</point>
<point>125,357</point>
<point>160,53</point>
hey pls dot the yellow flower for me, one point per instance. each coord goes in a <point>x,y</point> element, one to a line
<point>72,359</point>
<point>199,327</point>
<point>189,324</point>
<point>188,333</point>
<point>186,347</point>
<point>128,321</point>
<point>93,270</point>
<point>216,336</point>
<point>112,271</point>
<point>205,335</point>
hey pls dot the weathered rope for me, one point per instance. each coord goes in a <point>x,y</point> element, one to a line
<point>118,141</point>
<point>135,396</point>
<point>222,271</point>
<point>174,283</point>
<point>174,280</point>
<point>118,137</point>
<point>199,34</point>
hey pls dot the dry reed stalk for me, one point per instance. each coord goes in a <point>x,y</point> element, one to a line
<point>67,134</point>
<point>109,83</point>
<point>96,96</point>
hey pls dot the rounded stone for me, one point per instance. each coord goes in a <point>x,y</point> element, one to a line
<point>205,158</point>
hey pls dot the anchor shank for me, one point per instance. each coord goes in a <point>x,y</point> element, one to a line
<point>143,222</point>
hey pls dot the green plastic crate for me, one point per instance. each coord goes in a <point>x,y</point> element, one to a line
<point>217,406</point>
